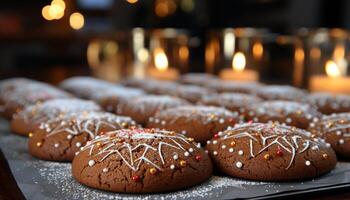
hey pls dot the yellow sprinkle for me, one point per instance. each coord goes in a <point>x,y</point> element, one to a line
<point>183,163</point>
<point>267,156</point>
<point>233,143</point>
<point>152,170</point>
<point>190,139</point>
<point>39,144</point>
<point>324,156</point>
<point>30,135</point>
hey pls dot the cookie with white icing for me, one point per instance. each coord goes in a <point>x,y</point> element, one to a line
<point>160,87</point>
<point>335,129</point>
<point>192,93</point>
<point>141,161</point>
<point>197,78</point>
<point>84,86</point>
<point>269,152</point>
<point>27,120</point>
<point>236,102</point>
<point>142,108</point>
<point>328,103</point>
<point>281,92</point>
<point>111,99</point>
<point>198,122</point>
<point>58,139</point>
<point>18,93</point>
<point>290,113</point>
<point>233,86</point>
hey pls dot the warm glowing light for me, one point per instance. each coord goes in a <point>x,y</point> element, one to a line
<point>229,43</point>
<point>142,55</point>
<point>160,59</point>
<point>315,53</point>
<point>45,13</point>
<point>238,62</point>
<point>165,7</point>
<point>299,55</point>
<point>132,1</point>
<point>59,3</point>
<point>332,69</point>
<point>258,50</point>
<point>76,20</point>
<point>183,53</point>
<point>339,52</point>
<point>56,11</point>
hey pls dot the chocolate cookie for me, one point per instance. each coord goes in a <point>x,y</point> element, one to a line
<point>328,103</point>
<point>111,99</point>
<point>269,152</point>
<point>141,161</point>
<point>28,119</point>
<point>197,78</point>
<point>198,122</point>
<point>16,95</point>
<point>335,129</point>
<point>281,92</point>
<point>85,87</point>
<point>192,93</point>
<point>236,102</point>
<point>290,113</point>
<point>233,86</point>
<point>60,138</point>
<point>142,108</point>
<point>160,87</point>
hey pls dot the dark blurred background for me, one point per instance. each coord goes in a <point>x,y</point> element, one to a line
<point>37,48</point>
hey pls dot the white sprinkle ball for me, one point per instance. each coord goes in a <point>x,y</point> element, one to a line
<point>91,163</point>
<point>239,164</point>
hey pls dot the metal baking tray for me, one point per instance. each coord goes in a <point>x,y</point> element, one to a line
<point>51,180</point>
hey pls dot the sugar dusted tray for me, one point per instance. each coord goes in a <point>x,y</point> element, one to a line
<point>49,180</point>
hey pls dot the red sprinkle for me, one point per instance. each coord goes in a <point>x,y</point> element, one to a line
<point>279,152</point>
<point>216,135</point>
<point>250,121</point>
<point>198,157</point>
<point>136,178</point>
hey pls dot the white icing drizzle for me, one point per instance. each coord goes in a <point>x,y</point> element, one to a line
<point>267,135</point>
<point>112,145</point>
<point>84,122</point>
<point>282,92</point>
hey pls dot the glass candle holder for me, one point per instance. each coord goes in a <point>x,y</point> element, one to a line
<point>108,56</point>
<point>169,54</point>
<point>327,60</point>
<point>235,53</point>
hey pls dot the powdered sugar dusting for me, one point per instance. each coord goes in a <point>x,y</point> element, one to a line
<point>59,175</point>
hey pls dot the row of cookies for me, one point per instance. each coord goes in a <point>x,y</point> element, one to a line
<point>105,160</point>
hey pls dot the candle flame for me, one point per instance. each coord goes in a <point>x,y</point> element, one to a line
<point>238,62</point>
<point>332,69</point>
<point>258,50</point>
<point>160,59</point>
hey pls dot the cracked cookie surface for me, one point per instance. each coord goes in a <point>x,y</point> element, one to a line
<point>58,139</point>
<point>141,161</point>
<point>269,152</point>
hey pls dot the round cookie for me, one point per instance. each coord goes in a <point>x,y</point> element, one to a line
<point>197,78</point>
<point>335,129</point>
<point>60,138</point>
<point>233,86</point>
<point>141,161</point>
<point>160,87</point>
<point>26,120</point>
<point>198,122</point>
<point>84,86</point>
<point>290,113</point>
<point>236,102</point>
<point>18,96</point>
<point>142,108</point>
<point>192,93</point>
<point>136,82</point>
<point>112,98</point>
<point>281,92</point>
<point>269,152</point>
<point>327,103</point>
